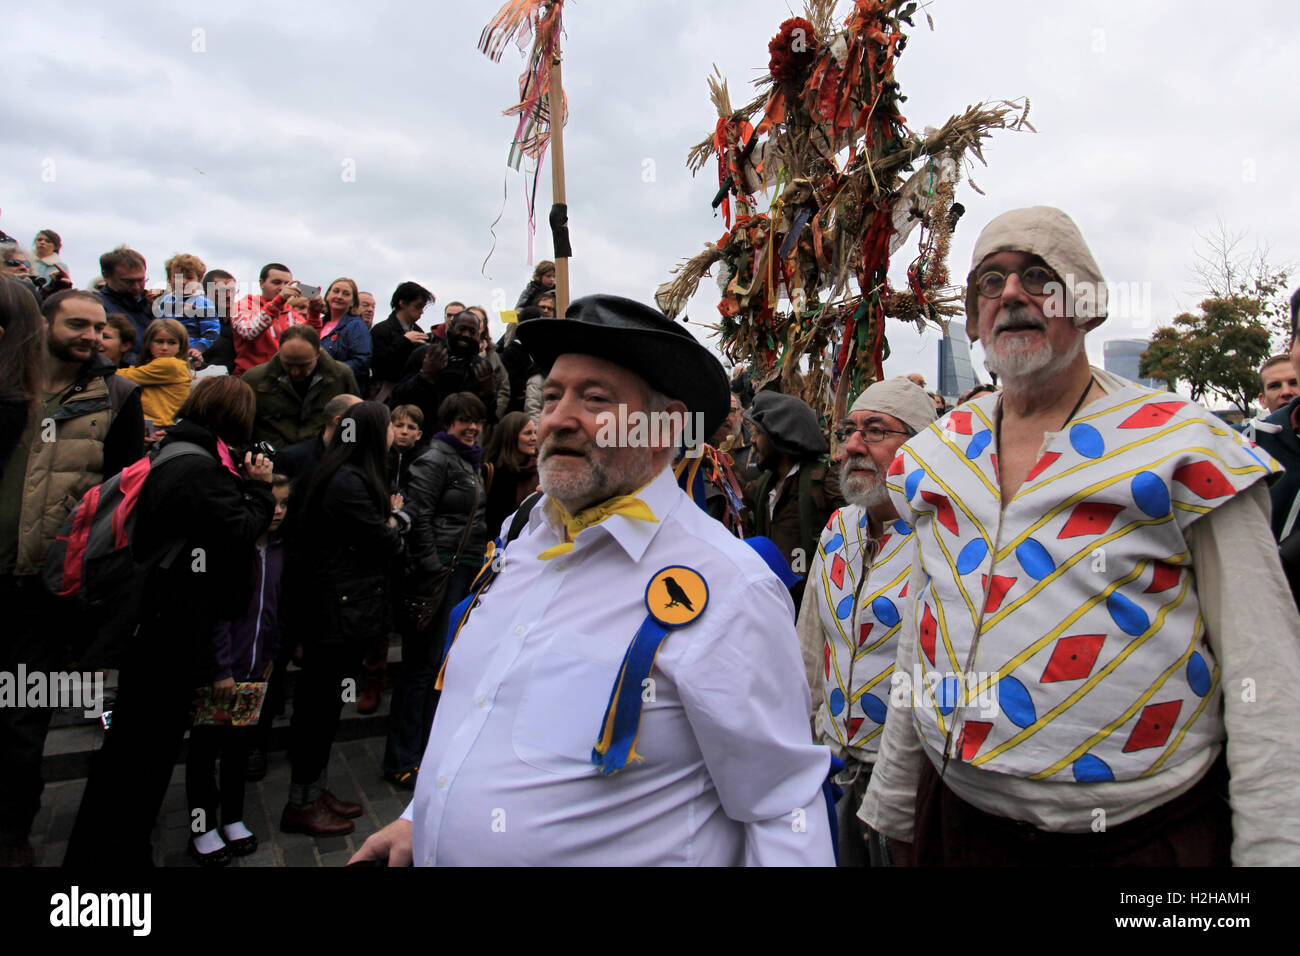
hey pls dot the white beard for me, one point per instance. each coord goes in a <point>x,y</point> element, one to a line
<point>865,492</point>
<point>1018,364</point>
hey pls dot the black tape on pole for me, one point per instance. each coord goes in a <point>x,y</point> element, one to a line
<point>560,230</point>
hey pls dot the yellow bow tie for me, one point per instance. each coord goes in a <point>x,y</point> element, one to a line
<point>629,506</point>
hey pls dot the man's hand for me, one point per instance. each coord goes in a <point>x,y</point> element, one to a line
<point>435,360</point>
<point>483,372</point>
<point>392,843</point>
<point>316,305</point>
<point>416,336</point>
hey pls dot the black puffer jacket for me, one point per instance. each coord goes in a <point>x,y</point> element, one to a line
<point>440,493</point>
<point>341,556</point>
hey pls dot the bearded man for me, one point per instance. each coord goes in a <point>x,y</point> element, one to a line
<point>849,620</point>
<point>1083,675</point>
<point>623,686</point>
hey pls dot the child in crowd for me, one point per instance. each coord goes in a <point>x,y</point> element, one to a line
<point>543,280</point>
<point>408,445</point>
<point>186,303</point>
<point>163,375</point>
<point>118,338</point>
<point>244,650</point>
<point>298,305</point>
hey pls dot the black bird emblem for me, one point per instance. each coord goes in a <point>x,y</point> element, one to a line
<point>677,594</point>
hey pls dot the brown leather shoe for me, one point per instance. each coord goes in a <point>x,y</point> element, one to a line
<point>315,818</point>
<point>372,691</point>
<point>342,807</point>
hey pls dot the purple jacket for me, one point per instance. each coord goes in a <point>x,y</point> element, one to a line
<point>243,646</point>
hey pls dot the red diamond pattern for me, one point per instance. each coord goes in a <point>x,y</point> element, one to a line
<point>826,659</point>
<point>1203,480</point>
<point>864,631</point>
<point>854,724</point>
<point>897,467</point>
<point>1073,658</point>
<point>959,422</point>
<point>973,733</point>
<point>1154,726</point>
<point>1089,517</point>
<point>1001,585</point>
<point>993,457</point>
<point>943,512</point>
<point>837,571</point>
<point>1165,577</point>
<point>1151,414</point>
<point>929,627</point>
<point>1044,463</point>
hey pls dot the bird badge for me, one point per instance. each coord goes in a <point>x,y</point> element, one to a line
<point>686,595</point>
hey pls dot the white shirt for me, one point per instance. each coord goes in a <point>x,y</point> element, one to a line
<point>730,774</point>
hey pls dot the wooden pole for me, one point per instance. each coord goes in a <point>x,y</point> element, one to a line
<point>557,174</point>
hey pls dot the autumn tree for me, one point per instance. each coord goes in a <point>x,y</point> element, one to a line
<point>1225,269</point>
<point>1219,351</point>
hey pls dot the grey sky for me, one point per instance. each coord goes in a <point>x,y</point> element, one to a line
<point>235,142</point>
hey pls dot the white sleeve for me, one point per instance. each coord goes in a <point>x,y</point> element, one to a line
<point>890,804</point>
<point>745,696</point>
<point>1254,631</point>
<point>812,642</point>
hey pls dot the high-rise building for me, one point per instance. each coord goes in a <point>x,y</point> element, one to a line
<point>1123,357</point>
<point>956,374</point>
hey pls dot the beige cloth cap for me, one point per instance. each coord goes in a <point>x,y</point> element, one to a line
<point>1050,234</point>
<point>901,398</point>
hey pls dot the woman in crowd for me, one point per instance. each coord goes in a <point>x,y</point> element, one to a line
<point>448,538</point>
<point>199,515</point>
<point>511,468</point>
<point>22,357</point>
<point>344,333</point>
<point>397,336</point>
<point>345,544</point>
<point>162,372</point>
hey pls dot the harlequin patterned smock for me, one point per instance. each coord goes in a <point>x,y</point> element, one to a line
<point>1075,609</point>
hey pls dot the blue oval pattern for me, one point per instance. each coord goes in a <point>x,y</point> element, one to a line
<point>1130,618</point>
<point>1087,441</point>
<point>1198,675</point>
<point>947,695</point>
<point>845,607</point>
<point>1150,493</point>
<point>834,543</point>
<point>885,612</point>
<point>1090,769</point>
<point>972,556</point>
<point>1033,557</point>
<point>874,707</point>
<point>914,479</point>
<point>978,444</point>
<point>1015,702</point>
<point>902,527</point>
<point>837,701</point>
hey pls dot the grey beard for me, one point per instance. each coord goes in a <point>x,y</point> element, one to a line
<point>865,493</point>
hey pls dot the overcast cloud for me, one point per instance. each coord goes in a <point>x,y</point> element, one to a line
<point>231,131</point>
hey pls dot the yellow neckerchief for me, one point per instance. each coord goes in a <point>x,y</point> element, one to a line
<point>629,506</point>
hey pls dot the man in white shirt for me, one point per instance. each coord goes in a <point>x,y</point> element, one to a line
<point>1098,634</point>
<point>628,689</point>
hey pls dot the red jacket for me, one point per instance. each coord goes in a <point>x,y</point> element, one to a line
<point>257,325</point>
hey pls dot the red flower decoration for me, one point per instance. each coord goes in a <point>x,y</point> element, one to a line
<point>792,51</point>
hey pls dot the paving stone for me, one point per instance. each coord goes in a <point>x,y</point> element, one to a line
<point>291,840</point>
<point>386,811</point>
<point>339,858</point>
<point>300,856</point>
<point>331,844</point>
<point>365,827</point>
<point>265,856</point>
<point>50,854</point>
<point>61,826</point>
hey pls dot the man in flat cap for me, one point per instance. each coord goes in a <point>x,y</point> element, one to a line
<point>624,686</point>
<point>798,489</point>
<point>850,618</point>
<point>1082,667</point>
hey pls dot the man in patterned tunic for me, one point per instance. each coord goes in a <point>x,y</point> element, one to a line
<point>849,620</point>
<point>1095,558</point>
